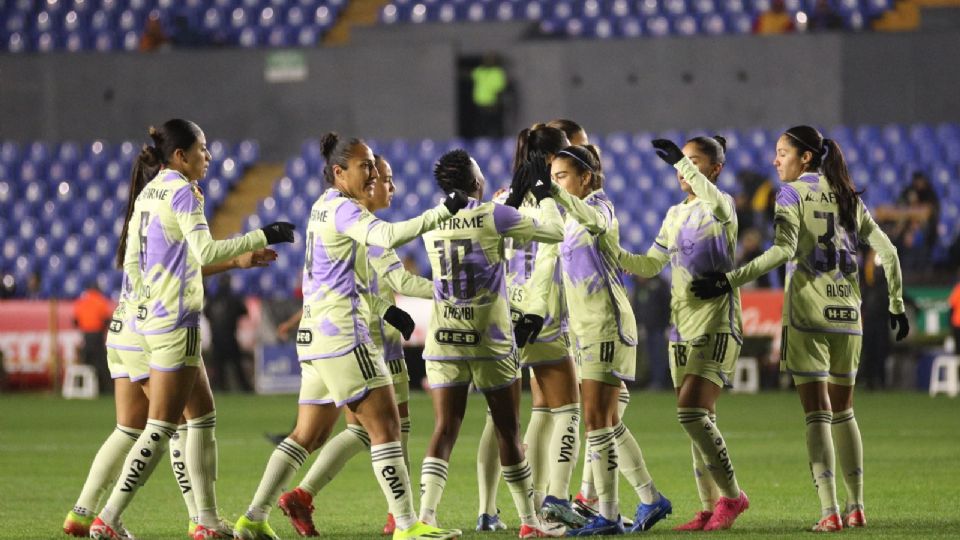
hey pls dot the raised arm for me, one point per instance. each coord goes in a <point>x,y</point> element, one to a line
<point>387,265</point>
<point>547,228</point>
<point>188,211</point>
<point>592,219</point>
<point>365,228</point>
<point>706,190</point>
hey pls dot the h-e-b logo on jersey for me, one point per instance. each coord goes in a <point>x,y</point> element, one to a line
<point>457,337</point>
<point>841,314</point>
<point>304,337</point>
<point>141,312</point>
<point>116,325</point>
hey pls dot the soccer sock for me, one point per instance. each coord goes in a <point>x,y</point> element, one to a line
<point>602,446</point>
<point>140,462</point>
<point>105,468</point>
<point>333,456</point>
<point>178,462</point>
<point>394,480</point>
<point>587,487</point>
<point>433,478</point>
<point>405,440</point>
<point>713,449</point>
<point>537,453</point>
<point>632,465</point>
<point>846,435</point>
<point>488,468</point>
<point>519,479</point>
<point>564,445</point>
<point>202,466</point>
<point>820,451</point>
<point>284,462</point>
<point>623,399</point>
<point>706,487</point>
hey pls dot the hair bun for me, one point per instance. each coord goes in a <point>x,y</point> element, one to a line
<point>150,156</point>
<point>722,140</point>
<point>327,143</point>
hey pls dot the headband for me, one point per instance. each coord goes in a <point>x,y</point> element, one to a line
<point>582,162</point>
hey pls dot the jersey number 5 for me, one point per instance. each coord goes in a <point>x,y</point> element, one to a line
<point>455,269</point>
<point>832,257</point>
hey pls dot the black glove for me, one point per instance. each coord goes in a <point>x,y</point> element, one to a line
<point>401,320</point>
<point>538,175</point>
<point>518,187</point>
<point>527,329</point>
<point>455,200</point>
<point>900,320</point>
<point>667,151</point>
<point>711,285</point>
<point>279,231</point>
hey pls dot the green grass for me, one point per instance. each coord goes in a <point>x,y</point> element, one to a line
<point>911,442</point>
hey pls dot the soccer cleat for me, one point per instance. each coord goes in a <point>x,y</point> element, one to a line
<point>698,522</point>
<point>77,525</point>
<point>101,531</point>
<point>298,506</point>
<point>649,514</point>
<point>725,512</point>
<point>558,510</point>
<point>831,523</point>
<point>545,530</point>
<point>599,526</point>
<point>585,507</point>
<point>191,528</point>
<point>486,522</point>
<point>422,531</point>
<point>390,525</point>
<point>247,529</point>
<point>856,518</point>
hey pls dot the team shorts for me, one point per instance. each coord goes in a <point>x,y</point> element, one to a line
<point>126,358</point>
<point>400,378</point>
<point>173,350</point>
<point>710,356</point>
<point>610,362</point>
<point>486,375</point>
<point>343,379</point>
<point>541,353</point>
<point>819,356</point>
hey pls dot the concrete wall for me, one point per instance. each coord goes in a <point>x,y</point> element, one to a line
<point>401,82</point>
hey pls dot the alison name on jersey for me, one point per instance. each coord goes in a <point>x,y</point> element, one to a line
<point>839,290</point>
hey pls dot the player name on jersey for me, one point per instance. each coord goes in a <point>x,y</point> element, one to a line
<point>456,223</point>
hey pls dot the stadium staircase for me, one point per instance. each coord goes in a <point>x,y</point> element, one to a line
<point>908,15</point>
<point>256,184</point>
<point>356,13</point>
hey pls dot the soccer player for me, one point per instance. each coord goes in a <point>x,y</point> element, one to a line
<point>602,321</point>
<point>820,221</point>
<point>471,337</point>
<point>383,276</point>
<point>552,437</point>
<point>165,249</point>
<point>698,236</point>
<point>339,361</point>
<point>130,370</point>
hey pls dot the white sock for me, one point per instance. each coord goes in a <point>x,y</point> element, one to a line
<point>519,480</point>
<point>564,446</point>
<point>139,464</point>
<point>202,466</point>
<point>604,462</point>
<point>706,437</point>
<point>333,456</point>
<point>394,481</point>
<point>846,438</point>
<point>284,462</point>
<point>433,480</point>
<point>105,468</point>
<point>178,462</point>
<point>632,466</point>
<point>538,451</point>
<point>822,460</point>
<point>488,468</point>
<point>405,440</point>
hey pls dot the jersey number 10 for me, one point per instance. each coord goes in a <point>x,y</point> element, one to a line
<point>455,269</point>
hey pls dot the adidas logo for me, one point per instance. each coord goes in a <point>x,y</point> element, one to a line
<point>539,183</point>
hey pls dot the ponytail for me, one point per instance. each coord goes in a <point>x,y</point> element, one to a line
<point>828,159</point>
<point>538,138</point>
<point>173,135</point>
<point>336,151</point>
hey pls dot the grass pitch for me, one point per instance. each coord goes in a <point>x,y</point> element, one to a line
<point>911,442</point>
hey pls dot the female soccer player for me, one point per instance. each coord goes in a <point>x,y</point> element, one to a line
<point>820,220</point>
<point>164,252</point>
<point>382,277</point>
<point>471,336</point>
<point>698,236</point>
<point>340,364</point>
<point>602,321</point>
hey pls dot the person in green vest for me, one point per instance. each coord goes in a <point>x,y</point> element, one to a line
<point>489,82</point>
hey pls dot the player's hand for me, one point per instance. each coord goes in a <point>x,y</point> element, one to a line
<point>455,200</point>
<point>279,231</point>
<point>401,320</point>
<point>711,285</point>
<point>527,329</point>
<point>538,175</point>
<point>667,151</point>
<point>283,330</point>
<point>900,323</point>
<point>260,258</point>
<point>518,187</point>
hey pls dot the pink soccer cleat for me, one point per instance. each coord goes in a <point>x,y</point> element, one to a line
<point>831,523</point>
<point>698,522</point>
<point>298,506</point>
<point>726,512</point>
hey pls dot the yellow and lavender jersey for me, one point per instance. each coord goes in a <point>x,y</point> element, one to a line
<point>121,335</point>
<point>822,290</point>
<point>385,276</point>
<point>697,236</point>
<point>597,303</point>
<point>168,242</point>
<point>336,315</point>
<point>471,315</point>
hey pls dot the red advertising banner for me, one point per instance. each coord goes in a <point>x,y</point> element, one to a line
<point>32,333</point>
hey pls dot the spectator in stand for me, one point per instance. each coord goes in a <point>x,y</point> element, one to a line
<point>954,302</point>
<point>916,231</point>
<point>824,18</point>
<point>776,20</point>
<point>91,314</point>
<point>651,303</point>
<point>184,35</point>
<point>876,335</point>
<point>224,310</point>
<point>153,38</point>
<point>751,247</point>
